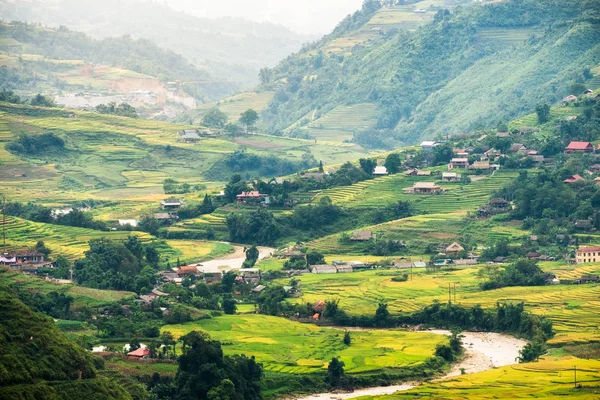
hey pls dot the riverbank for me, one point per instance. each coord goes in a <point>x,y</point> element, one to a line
<point>483,351</point>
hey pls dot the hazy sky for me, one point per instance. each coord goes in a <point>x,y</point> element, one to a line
<point>303,16</point>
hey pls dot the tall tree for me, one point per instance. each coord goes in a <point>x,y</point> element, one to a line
<point>393,163</point>
<point>249,119</point>
<point>215,118</point>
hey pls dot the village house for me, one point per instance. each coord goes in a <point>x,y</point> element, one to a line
<point>502,134</point>
<point>212,277</point>
<point>518,148</point>
<point>569,99</point>
<point>259,289</point>
<point>323,269</point>
<point>533,255</point>
<point>187,271</point>
<point>480,165</point>
<point>579,147</point>
<point>428,146</point>
<point>252,197</point>
<point>168,276</point>
<point>139,353</point>
<point>22,257</point>
<point>492,154</point>
<point>424,188</point>
<point>451,177</point>
<point>587,279</point>
<point>411,172</point>
<point>584,224</point>
<point>595,168</point>
<point>165,218</point>
<point>459,163</point>
<point>343,268</point>
<point>423,173</point>
<point>362,236</point>
<point>188,136</point>
<point>250,275</point>
<point>454,249</point>
<point>574,178</point>
<point>380,170</point>
<point>172,203</point>
<point>465,261</point>
<point>587,255</point>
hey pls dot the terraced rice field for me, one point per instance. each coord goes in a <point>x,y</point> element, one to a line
<point>572,308</point>
<point>291,347</point>
<point>68,241</point>
<point>83,296</point>
<point>235,105</point>
<point>551,378</point>
<point>390,189</point>
<point>507,36</point>
<point>340,123</point>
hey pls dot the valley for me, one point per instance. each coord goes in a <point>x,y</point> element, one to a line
<point>407,207</point>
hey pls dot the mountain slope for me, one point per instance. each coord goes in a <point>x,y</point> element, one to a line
<point>231,49</point>
<point>38,362</point>
<point>470,67</point>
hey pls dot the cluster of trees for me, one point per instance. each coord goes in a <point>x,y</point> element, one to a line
<point>270,165</point>
<point>172,186</point>
<point>28,144</point>
<point>38,213</point>
<point>520,273</point>
<point>123,109</point>
<point>259,227</point>
<point>108,264</point>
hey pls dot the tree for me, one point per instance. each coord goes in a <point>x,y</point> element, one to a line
<point>249,118</point>
<point>335,371</point>
<point>543,113</point>
<point>315,258</point>
<point>43,101</point>
<point>442,154</point>
<point>367,165</point>
<point>229,305</point>
<point>321,166</point>
<point>347,338</point>
<point>252,254</point>
<point>393,163</point>
<point>382,315</point>
<point>41,248</point>
<point>149,224</point>
<point>531,352</point>
<point>215,118</point>
<point>134,344</point>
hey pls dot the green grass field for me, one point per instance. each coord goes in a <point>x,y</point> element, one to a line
<point>340,123</point>
<point>291,347</point>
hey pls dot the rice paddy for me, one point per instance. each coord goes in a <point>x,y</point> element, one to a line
<point>551,378</point>
<point>291,347</point>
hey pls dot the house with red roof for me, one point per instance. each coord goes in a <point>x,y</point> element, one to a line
<point>253,197</point>
<point>580,147</point>
<point>139,353</point>
<point>574,178</point>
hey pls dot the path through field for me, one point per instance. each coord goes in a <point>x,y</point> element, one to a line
<point>232,261</point>
<point>483,351</point>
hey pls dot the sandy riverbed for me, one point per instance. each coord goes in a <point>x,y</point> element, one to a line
<point>232,261</point>
<point>483,351</point>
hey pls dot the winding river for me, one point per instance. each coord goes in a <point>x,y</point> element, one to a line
<point>483,351</point>
<point>232,261</point>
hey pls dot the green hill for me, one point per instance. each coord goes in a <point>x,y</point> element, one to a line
<point>38,362</point>
<point>462,69</point>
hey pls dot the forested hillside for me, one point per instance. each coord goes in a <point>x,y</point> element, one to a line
<point>38,361</point>
<point>231,50</point>
<point>36,57</point>
<point>464,68</point>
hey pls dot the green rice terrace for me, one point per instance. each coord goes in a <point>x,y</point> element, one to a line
<point>290,347</point>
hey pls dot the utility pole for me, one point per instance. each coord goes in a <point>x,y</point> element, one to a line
<point>3,223</point>
<point>455,292</point>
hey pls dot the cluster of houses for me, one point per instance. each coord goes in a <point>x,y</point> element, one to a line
<point>24,260</point>
<point>340,267</point>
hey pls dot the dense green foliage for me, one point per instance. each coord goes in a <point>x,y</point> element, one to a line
<point>115,265</point>
<point>38,361</point>
<point>39,213</point>
<point>36,144</point>
<point>520,273</point>
<point>204,373</point>
<point>123,109</point>
<point>447,76</point>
